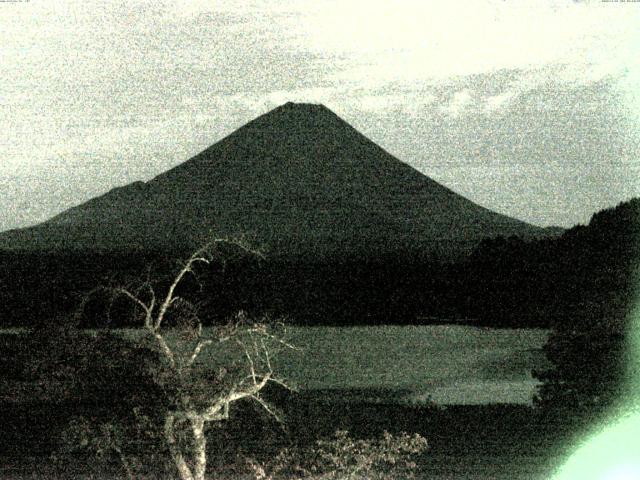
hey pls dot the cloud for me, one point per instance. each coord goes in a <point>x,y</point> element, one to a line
<point>499,102</point>
<point>140,86</point>
<point>459,102</point>
<point>419,41</point>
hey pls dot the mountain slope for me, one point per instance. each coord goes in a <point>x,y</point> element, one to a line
<point>298,181</point>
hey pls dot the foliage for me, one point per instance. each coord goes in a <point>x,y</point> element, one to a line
<point>105,386</point>
<point>148,398</point>
<point>140,397</point>
<point>193,391</point>
<point>588,358</point>
<point>505,282</point>
<point>346,458</point>
<point>106,439</point>
<point>587,346</point>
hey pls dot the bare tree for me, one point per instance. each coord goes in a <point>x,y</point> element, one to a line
<point>210,368</point>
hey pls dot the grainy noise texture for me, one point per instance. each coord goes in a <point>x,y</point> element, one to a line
<point>319,240</point>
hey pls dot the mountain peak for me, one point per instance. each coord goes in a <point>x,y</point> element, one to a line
<point>310,107</point>
<point>301,110</point>
<point>302,124</point>
<point>301,181</point>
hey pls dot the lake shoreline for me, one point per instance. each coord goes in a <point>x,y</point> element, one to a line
<point>448,364</point>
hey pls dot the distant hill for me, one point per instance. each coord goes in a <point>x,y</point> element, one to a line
<point>297,181</point>
<point>589,272</point>
<point>592,349</point>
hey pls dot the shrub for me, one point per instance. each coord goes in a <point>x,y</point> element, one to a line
<point>345,458</point>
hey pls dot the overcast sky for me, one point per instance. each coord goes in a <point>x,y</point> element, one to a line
<point>528,108</point>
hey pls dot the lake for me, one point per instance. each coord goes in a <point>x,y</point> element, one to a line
<point>447,364</point>
<point>450,364</point>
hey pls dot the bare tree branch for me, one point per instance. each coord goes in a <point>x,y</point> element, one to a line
<point>196,351</point>
<point>164,347</point>
<point>253,339</point>
<point>174,449</point>
<point>198,256</point>
<point>148,309</point>
<point>267,407</point>
<point>266,355</point>
<point>282,383</point>
<point>249,360</point>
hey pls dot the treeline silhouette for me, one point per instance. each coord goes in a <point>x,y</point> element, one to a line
<point>513,283</point>
<point>589,347</point>
<point>505,282</point>
<point>41,287</point>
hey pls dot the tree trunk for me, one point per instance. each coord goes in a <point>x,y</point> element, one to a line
<point>174,449</point>
<point>199,447</point>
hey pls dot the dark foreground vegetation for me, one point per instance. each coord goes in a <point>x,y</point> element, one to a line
<point>43,402</point>
<point>68,394</point>
<point>505,282</point>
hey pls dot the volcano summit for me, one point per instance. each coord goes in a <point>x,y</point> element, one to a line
<point>299,181</point>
